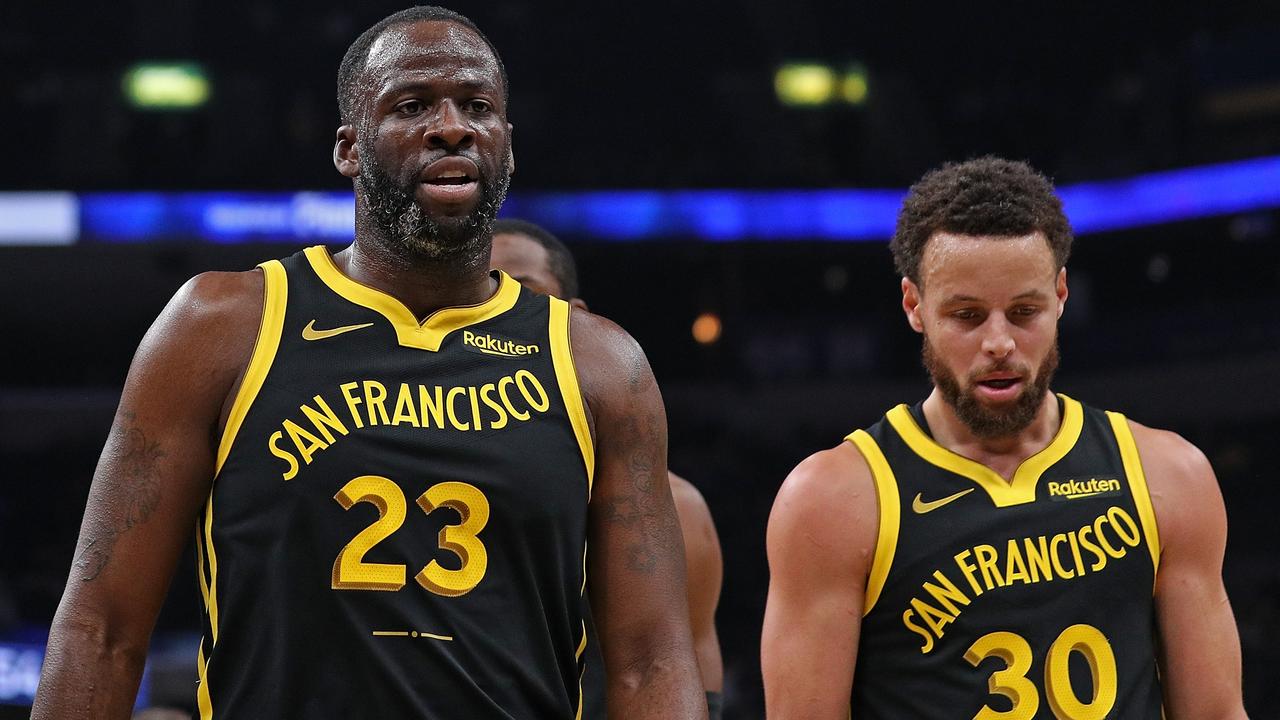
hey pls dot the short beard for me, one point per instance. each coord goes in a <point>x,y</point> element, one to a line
<point>981,420</point>
<point>402,221</point>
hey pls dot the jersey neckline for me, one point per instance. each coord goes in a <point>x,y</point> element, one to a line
<point>431,332</point>
<point>1022,488</point>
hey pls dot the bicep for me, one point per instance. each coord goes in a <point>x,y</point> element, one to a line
<point>808,647</point>
<point>1199,642</point>
<point>636,560</point>
<point>820,537</point>
<point>155,468</point>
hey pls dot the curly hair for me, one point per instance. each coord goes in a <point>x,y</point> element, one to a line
<point>357,56</point>
<point>984,196</point>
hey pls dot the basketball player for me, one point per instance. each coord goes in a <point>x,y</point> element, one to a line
<point>997,550</point>
<point>387,454</point>
<point>541,262</point>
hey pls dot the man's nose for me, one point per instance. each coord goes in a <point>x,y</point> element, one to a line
<point>998,342</point>
<point>449,129</point>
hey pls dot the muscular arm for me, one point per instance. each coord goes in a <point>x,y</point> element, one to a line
<point>636,557</point>
<point>1199,644</point>
<point>821,540</point>
<point>704,570</point>
<point>153,476</point>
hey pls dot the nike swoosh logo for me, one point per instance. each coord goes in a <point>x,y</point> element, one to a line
<point>921,507</point>
<point>311,333</point>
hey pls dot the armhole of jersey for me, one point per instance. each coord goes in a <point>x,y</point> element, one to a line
<point>890,515</point>
<point>275,292</point>
<point>567,379</point>
<point>1137,484</point>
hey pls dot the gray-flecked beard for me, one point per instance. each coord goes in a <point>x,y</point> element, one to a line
<point>399,218</point>
<point>984,421</point>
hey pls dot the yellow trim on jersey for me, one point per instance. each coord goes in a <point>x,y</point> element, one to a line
<point>1137,484</point>
<point>578,715</point>
<point>1022,489</point>
<point>582,647</point>
<point>567,378</point>
<point>200,567</point>
<point>275,293</point>
<point>202,689</point>
<point>203,702</point>
<point>425,335</point>
<point>890,515</point>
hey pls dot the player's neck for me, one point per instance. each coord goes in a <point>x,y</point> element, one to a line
<point>1003,453</point>
<point>422,284</point>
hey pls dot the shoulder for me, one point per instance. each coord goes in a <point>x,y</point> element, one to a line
<point>601,347</point>
<point>688,500</point>
<point>219,299</point>
<point>828,507</point>
<point>1184,490</point>
<point>695,517</point>
<point>209,326</point>
<point>611,366</point>
<point>1170,462</point>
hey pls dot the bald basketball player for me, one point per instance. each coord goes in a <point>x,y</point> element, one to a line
<point>541,262</point>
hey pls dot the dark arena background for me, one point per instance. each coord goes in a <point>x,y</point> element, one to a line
<point>727,174</point>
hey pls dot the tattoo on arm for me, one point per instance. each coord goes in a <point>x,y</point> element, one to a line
<point>126,493</point>
<point>637,506</point>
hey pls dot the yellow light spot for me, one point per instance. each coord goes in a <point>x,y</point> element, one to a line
<point>166,86</point>
<point>805,84</point>
<point>706,328</point>
<point>854,89</point>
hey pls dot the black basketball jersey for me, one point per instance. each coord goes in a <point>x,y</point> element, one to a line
<point>1029,598</point>
<point>397,526</point>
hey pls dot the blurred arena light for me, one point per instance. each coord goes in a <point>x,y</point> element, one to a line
<point>840,215</point>
<point>707,328</point>
<point>855,87</point>
<point>804,84</point>
<point>166,86</point>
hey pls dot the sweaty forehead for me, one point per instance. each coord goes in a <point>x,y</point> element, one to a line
<point>958,261</point>
<point>430,45</point>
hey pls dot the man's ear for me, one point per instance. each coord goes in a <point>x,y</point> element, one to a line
<point>1060,288</point>
<point>346,155</point>
<point>579,303</point>
<point>911,304</point>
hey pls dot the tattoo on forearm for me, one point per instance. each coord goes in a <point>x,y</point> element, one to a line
<point>126,493</point>
<point>637,506</point>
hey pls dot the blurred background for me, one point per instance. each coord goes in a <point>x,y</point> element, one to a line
<point>727,175</point>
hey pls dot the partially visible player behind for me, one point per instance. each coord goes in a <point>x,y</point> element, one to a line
<point>997,551</point>
<point>541,262</point>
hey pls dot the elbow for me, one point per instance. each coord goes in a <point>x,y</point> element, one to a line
<point>86,638</point>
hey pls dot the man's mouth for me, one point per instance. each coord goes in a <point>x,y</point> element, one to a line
<point>450,180</point>
<point>999,386</point>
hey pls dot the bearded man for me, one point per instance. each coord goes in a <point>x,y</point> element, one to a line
<point>997,550</point>
<point>393,458</point>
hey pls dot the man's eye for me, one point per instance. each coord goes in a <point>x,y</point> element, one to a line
<point>479,106</point>
<point>411,107</point>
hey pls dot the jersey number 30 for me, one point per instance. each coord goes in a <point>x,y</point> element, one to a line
<point>351,572</point>
<point>1012,682</point>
